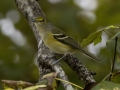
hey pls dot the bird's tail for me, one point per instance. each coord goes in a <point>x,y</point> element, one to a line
<point>91,55</point>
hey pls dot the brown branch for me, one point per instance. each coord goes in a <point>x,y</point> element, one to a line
<point>30,9</point>
<point>83,73</point>
<point>16,84</point>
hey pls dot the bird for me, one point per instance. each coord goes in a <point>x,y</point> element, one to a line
<point>57,40</point>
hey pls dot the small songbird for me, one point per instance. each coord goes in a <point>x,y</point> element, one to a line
<point>57,40</point>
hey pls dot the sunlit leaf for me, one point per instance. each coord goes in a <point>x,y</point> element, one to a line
<point>106,85</point>
<point>94,37</point>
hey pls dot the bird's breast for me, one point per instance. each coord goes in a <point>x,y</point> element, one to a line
<point>55,45</point>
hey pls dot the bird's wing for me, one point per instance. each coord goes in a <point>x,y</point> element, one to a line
<point>63,38</point>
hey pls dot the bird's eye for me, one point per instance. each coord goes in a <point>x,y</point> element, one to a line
<point>42,20</point>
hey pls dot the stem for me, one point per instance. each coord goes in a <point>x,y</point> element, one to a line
<point>113,64</point>
<point>107,32</point>
<point>106,77</point>
<point>69,83</point>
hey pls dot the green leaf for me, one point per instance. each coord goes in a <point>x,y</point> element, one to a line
<point>116,77</point>
<point>106,85</point>
<point>98,39</point>
<point>94,37</point>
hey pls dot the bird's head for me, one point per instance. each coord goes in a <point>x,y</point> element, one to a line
<point>42,22</point>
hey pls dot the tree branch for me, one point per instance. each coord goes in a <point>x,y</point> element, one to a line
<point>30,9</point>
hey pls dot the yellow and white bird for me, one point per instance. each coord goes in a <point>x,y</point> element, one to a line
<point>57,41</point>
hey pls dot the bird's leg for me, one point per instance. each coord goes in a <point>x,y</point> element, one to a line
<point>59,59</point>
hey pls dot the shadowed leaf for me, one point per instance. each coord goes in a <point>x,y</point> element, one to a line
<point>116,77</point>
<point>106,85</point>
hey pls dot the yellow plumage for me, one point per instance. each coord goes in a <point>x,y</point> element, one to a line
<point>56,40</point>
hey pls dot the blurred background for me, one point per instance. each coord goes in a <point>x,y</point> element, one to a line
<point>78,18</point>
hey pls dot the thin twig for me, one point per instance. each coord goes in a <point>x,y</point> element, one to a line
<point>112,68</point>
<point>108,33</point>
<point>106,76</point>
<point>69,83</point>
